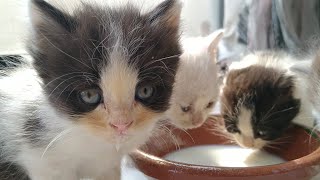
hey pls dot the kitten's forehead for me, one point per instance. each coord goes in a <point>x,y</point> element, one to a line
<point>245,122</point>
<point>119,79</point>
<point>201,71</point>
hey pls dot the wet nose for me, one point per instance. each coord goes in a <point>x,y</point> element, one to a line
<point>121,126</point>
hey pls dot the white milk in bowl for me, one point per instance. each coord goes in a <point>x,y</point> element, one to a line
<point>223,156</point>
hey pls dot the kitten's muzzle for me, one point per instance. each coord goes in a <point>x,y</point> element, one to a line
<point>197,119</point>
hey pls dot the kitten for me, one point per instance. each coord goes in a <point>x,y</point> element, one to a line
<point>262,96</point>
<point>195,89</point>
<point>102,78</point>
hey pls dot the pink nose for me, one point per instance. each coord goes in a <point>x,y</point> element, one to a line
<point>121,126</point>
<point>197,120</point>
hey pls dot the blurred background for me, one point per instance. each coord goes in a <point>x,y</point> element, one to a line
<point>205,14</point>
<point>248,24</point>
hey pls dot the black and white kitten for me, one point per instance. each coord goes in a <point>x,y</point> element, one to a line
<point>102,78</point>
<point>262,96</point>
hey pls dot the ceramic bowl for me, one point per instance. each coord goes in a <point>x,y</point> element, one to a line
<point>302,155</point>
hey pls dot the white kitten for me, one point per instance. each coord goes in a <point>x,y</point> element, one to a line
<point>195,90</point>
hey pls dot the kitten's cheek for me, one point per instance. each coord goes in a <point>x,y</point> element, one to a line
<point>259,143</point>
<point>144,117</point>
<point>95,121</point>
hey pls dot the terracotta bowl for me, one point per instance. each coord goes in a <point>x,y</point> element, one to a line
<point>302,155</point>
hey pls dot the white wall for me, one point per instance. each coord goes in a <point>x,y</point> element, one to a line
<point>14,22</point>
<point>196,12</point>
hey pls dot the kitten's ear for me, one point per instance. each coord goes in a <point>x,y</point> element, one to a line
<point>213,47</point>
<point>166,14</point>
<point>43,13</point>
<point>285,85</point>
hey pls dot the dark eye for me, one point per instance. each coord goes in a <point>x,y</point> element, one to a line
<point>210,104</point>
<point>264,135</point>
<point>91,96</point>
<point>144,92</point>
<point>185,109</point>
<point>261,133</point>
<point>232,129</point>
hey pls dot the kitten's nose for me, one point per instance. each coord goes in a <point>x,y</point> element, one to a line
<point>248,142</point>
<point>197,119</point>
<point>121,126</point>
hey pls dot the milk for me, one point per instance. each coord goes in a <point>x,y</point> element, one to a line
<point>223,156</point>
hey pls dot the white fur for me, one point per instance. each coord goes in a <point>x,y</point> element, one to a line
<point>196,82</point>
<point>246,138</point>
<point>244,124</point>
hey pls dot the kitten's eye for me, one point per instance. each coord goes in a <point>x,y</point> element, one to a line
<point>262,134</point>
<point>210,104</point>
<point>185,109</point>
<point>145,92</point>
<point>233,129</point>
<point>91,96</point>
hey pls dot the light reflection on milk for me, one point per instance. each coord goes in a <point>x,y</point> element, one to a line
<point>223,156</point>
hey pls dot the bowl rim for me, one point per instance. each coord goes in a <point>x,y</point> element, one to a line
<point>161,164</point>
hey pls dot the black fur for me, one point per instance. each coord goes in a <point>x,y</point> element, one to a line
<point>268,93</point>
<point>33,127</point>
<point>9,62</point>
<point>11,171</point>
<point>80,44</point>
<point>55,14</point>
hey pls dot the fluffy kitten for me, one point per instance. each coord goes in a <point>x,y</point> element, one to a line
<point>261,97</point>
<point>195,89</point>
<point>102,77</point>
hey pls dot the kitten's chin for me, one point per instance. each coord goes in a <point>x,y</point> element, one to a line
<point>129,140</point>
<point>251,144</point>
<point>251,147</point>
<point>187,124</point>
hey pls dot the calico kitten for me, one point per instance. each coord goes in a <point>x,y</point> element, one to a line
<point>102,78</point>
<point>195,89</point>
<point>261,97</point>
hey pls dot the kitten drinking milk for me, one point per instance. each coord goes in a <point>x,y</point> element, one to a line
<point>262,96</point>
<point>101,79</point>
<point>195,90</point>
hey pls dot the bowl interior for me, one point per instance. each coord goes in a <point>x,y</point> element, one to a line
<point>148,158</point>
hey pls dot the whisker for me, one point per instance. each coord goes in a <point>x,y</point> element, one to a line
<point>55,139</point>
<point>176,142</point>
